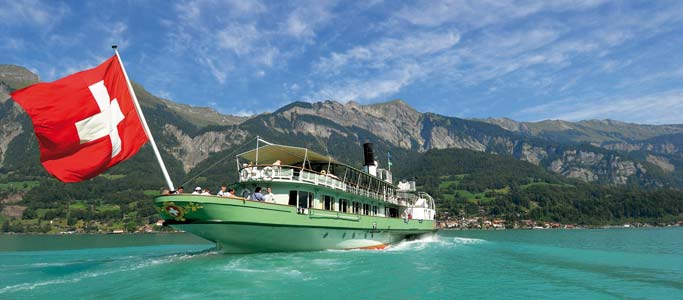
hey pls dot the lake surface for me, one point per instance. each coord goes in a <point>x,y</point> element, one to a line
<point>512,264</point>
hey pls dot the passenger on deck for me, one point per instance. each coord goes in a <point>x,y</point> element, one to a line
<point>257,195</point>
<point>197,191</point>
<point>231,193</point>
<point>269,197</point>
<point>206,192</point>
<point>223,192</point>
<point>180,190</point>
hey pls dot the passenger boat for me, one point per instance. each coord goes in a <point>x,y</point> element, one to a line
<point>317,203</point>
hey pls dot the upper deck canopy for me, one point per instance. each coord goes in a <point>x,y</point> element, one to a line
<point>287,155</point>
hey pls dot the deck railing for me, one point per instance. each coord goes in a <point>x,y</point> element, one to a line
<point>291,173</point>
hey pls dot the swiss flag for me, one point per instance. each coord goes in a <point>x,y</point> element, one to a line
<point>85,123</point>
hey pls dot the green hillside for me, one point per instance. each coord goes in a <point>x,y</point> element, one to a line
<point>468,183</point>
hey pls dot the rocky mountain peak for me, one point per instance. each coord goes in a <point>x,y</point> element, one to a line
<point>14,77</point>
<point>12,73</point>
<point>507,124</point>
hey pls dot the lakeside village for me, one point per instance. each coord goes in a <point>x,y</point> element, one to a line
<point>444,223</point>
<point>486,223</point>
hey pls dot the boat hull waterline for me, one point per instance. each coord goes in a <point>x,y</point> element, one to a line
<point>244,226</point>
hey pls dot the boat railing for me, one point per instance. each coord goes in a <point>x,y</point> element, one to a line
<point>293,173</point>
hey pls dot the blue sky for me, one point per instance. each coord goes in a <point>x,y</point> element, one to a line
<point>527,60</point>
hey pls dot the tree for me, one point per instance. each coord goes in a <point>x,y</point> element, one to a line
<point>5,226</point>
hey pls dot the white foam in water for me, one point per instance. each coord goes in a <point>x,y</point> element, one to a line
<point>81,276</point>
<point>418,244</point>
<point>468,241</point>
<point>433,240</point>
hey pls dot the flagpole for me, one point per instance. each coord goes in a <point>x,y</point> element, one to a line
<point>144,123</point>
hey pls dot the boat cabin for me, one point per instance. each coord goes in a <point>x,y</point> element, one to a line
<point>313,181</point>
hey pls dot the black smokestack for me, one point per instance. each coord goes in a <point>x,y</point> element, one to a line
<point>369,156</point>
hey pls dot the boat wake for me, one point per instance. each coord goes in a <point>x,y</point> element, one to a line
<point>122,265</point>
<point>435,241</point>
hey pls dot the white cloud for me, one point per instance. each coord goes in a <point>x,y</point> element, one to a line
<point>243,113</point>
<point>115,33</point>
<point>657,108</point>
<point>363,90</point>
<point>308,17</point>
<point>246,38</point>
<point>471,14</point>
<point>384,51</point>
<point>42,14</point>
<point>238,38</point>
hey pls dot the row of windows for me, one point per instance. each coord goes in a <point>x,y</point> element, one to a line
<point>304,199</point>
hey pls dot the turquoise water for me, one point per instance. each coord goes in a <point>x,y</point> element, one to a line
<point>553,264</point>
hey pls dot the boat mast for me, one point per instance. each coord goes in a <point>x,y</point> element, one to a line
<point>257,140</point>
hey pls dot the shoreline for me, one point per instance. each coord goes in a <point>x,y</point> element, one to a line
<point>438,229</point>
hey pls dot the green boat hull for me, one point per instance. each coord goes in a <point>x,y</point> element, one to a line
<point>244,226</point>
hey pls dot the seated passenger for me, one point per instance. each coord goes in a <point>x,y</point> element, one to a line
<point>180,190</point>
<point>231,193</point>
<point>206,192</point>
<point>197,191</point>
<point>257,195</point>
<point>223,192</point>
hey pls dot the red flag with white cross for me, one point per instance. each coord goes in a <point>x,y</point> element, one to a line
<point>85,123</point>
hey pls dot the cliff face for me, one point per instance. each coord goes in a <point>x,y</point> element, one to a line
<point>596,151</point>
<point>193,150</point>
<point>11,78</point>
<point>608,134</point>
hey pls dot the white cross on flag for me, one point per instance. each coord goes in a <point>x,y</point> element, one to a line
<point>85,123</point>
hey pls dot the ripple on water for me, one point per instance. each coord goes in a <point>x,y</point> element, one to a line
<point>74,277</point>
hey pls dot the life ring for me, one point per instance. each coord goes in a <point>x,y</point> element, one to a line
<point>244,174</point>
<point>267,173</point>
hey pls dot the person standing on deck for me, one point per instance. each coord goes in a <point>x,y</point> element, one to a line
<point>257,194</point>
<point>269,197</point>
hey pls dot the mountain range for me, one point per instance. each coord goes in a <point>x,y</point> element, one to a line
<point>192,139</point>
<point>602,151</point>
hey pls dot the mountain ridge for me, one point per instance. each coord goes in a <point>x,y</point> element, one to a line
<point>602,151</point>
<point>585,172</point>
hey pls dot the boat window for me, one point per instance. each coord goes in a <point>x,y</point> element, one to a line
<point>343,205</point>
<point>292,198</point>
<point>328,202</point>
<point>356,207</point>
<point>305,199</point>
<point>366,209</point>
<point>374,210</point>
